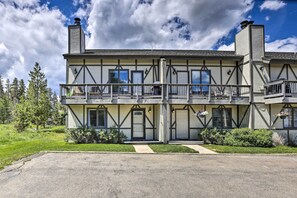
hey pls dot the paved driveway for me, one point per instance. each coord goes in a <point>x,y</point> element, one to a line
<point>151,175</point>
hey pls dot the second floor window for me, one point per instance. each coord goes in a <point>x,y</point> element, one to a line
<point>200,77</point>
<point>119,76</point>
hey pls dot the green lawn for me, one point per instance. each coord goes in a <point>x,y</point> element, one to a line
<point>171,148</point>
<point>14,145</point>
<point>252,150</point>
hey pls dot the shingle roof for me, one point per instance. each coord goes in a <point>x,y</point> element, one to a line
<point>281,55</point>
<point>159,53</point>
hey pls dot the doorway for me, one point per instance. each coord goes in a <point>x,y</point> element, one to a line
<point>138,124</point>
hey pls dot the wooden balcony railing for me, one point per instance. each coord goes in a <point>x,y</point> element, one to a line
<point>110,91</point>
<point>281,88</point>
<point>209,92</point>
<point>178,92</point>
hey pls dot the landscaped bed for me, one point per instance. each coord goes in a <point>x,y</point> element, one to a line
<point>252,150</point>
<point>171,148</point>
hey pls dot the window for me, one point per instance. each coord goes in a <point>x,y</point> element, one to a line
<point>222,118</point>
<point>200,77</point>
<point>119,76</point>
<point>291,120</point>
<point>97,118</point>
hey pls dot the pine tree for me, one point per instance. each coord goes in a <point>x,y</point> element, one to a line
<point>22,89</point>
<point>14,89</point>
<point>5,109</point>
<point>21,118</point>
<point>7,87</point>
<point>1,87</point>
<point>38,98</point>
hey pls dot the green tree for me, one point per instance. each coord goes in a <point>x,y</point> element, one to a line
<point>38,98</point>
<point>21,118</point>
<point>5,109</point>
<point>14,89</point>
<point>22,89</point>
<point>1,87</point>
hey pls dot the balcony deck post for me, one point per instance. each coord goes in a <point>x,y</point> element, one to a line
<point>188,93</point>
<point>230,96</point>
<point>86,92</point>
<point>209,94</point>
<point>111,91</point>
<point>284,89</point>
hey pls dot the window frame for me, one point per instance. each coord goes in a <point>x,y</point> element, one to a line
<point>221,117</point>
<point>291,110</point>
<point>200,88</point>
<point>97,118</point>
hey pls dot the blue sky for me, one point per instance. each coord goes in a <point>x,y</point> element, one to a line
<point>36,30</point>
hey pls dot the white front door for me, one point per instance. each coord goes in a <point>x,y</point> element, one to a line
<point>137,78</point>
<point>182,127</point>
<point>138,124</point>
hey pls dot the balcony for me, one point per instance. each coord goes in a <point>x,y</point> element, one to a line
<point>111,93</point>
<point>208,94</point>
<point>281,91</point>
<point>154,94</point>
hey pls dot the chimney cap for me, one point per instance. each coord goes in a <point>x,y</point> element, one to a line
<point>245,23</point>
<point>77,21</point>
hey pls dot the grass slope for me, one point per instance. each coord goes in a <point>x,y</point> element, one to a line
<point>14,145</point>
<point>252,150</point>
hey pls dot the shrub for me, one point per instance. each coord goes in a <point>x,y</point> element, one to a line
<point>248,137</point>
<point>82,135</point>
<point>213,136</point>
<point>238,137</point>
<point>261,138</point>
<point>112,136</point>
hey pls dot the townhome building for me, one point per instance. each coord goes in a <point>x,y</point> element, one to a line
<point>167,95</point>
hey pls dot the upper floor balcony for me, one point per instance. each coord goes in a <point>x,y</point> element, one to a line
<point>280,91</point>
<point>154,94</point>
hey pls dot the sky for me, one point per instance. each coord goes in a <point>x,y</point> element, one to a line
<point>36,30</point>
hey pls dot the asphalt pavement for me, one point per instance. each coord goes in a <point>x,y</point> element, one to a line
<point>150,175</point>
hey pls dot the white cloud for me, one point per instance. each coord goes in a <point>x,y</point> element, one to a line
<point>31,33</point>
<point>163,24</point>
<point>267,18</point>
<point>272,5</point>
<point>284,45</point>
<point>227,47</point>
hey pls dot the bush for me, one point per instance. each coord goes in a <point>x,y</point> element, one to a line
<point>113,136</point>
<point>261,138</point>
<point>248,137</point>
<point>238,137</point>
<point>84,136</point>
<point>213,136</point>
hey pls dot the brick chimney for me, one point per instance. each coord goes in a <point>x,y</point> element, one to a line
<point>76,38</point>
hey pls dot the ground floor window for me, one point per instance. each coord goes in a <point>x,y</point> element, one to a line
<point>222,118</point>
<point>97,118</point>
<point>291,120</point>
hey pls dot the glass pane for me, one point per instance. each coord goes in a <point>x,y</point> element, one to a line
<point>288,119</point>
<point>93,118</point>
<point>295,118</point>
<point>124,80</point>
<point>216,118</point>
<point>205,79</point>
<point>227,118</point>
<point>101,118</point>
<point>113,76</point>
<point>196,80</point>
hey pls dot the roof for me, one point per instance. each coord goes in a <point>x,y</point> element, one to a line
<point>157,53</point>
<point>281,56</point>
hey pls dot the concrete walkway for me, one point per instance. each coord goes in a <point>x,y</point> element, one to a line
<point>142,148</point>
<point>200,149</point>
